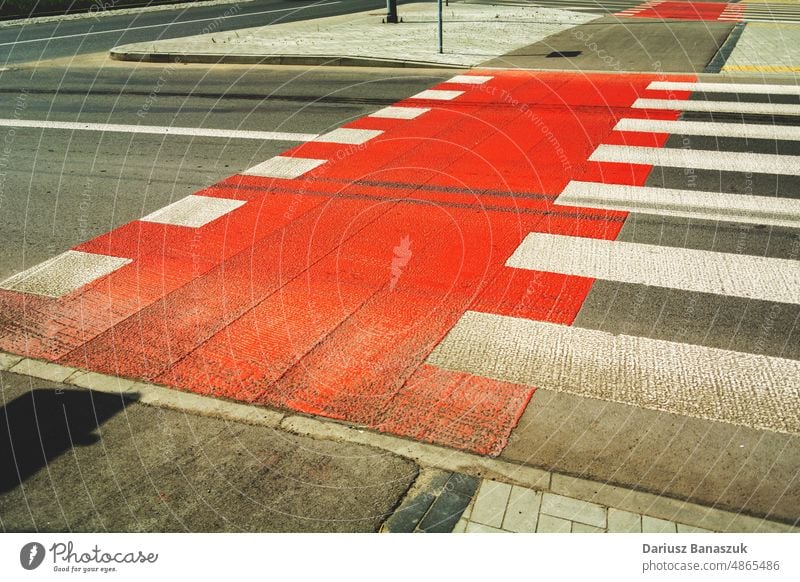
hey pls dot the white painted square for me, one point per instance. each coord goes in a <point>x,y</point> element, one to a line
<point>63,274</point>
<point>400,112</point>
<point>348,136</point>
<point>194,211</point>
<point>284,167</point>
<point>470,79</point>
<point>437,95</point>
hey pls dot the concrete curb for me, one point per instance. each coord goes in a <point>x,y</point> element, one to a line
<point>725,51</point>
<point>424,454</point>
<point>306,60</point>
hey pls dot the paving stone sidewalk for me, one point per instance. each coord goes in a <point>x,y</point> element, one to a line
<point>766,48</point>
<point>472,34</point>
<point>444,502</point>
<point>500,507</point>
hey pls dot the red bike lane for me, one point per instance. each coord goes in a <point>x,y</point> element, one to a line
<point>325,292</point>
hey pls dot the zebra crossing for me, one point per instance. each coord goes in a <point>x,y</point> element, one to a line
<point>762,13</point>
<point>620,237</point>
<point>732,12</point>
<point>695,306</point>
<point>591,6</point>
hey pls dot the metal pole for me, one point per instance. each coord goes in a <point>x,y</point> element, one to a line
<point>391,7</point>
<point>441,32</point>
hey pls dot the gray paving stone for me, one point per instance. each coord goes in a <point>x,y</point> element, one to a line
<point>655,525</point>
<point>445,512</point>
<point>522,512</point>
<point>574,510</point>
<point>683,528</point>
<point>550,524</point>
<point>463,484</point>
<point>406,518</point>
<point>583,528</point>
<point>473,527</point>
<point>620,521</point>
<point>490,504</point>
<point>418,500</point>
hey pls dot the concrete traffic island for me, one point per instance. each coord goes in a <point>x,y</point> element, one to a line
<point>472,34</point>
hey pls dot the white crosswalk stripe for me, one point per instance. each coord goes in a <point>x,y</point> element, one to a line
<point>711,129</point>
<point>676,268</point>
<point>746,389</point>
<point>687,377</point>
<point>769,13</point>
<point>64,273</point>
<point>699,159</point>
<point>742,88</point>
<point>741,208</point>
<point>719,106</point>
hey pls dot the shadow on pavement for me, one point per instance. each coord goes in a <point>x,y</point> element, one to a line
<point>42,424</point>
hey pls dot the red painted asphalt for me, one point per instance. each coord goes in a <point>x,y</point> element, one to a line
<point>682,10</point>
<point>324,294</point>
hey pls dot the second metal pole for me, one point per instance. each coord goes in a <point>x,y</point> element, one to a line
<point>441,41</point>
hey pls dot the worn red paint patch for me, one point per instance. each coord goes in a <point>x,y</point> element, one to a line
<point>456,409</point>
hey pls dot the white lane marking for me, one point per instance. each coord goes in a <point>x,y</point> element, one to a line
<point>437,95</point>
<point>741,88</point>
<point>711,128</point>
<point>400,112</point>
<point>742,208</point>
<point>166,25</point>
<point>160,130</point>
<point>715,384</point>
<point>63,274</point>
<point>699,159</point>
<point>349,136</point>
<point>719,106</point>
<point>284,167</point>
<point>470,79</point>
<point>194,211</point>
<point>748,276</point>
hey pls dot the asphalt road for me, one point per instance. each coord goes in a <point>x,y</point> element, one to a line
<point>31,42</point>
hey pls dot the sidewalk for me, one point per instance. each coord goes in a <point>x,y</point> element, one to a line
<point>155,453</point>
<point>472,34</point>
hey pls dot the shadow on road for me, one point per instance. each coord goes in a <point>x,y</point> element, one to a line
<point>42,424</point>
